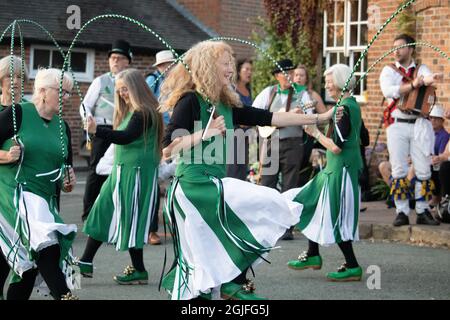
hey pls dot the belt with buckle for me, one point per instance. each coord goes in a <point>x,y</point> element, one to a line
<point>405,120</point>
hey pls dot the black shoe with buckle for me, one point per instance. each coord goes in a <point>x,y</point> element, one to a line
<point>401,220</point>
<point>426,218</point>
<point>288,235</point>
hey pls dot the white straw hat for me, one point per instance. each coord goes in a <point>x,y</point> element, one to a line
<point>437,111</point>
<point>163,57</point>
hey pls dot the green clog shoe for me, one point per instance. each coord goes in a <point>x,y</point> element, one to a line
<point>86,268</point>
<point>304,262</point>
<point>345,274</point>
<point>132,276</point>
<point>234,291</point>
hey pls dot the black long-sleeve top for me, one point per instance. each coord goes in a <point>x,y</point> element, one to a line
<point>187,111</point>
<point>134,130</point>
<point>344,127</point>
<point>7,129</point>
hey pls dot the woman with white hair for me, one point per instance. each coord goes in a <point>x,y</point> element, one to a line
<point>331,200</point>
<point>33,236</point>
<point>11,155</point>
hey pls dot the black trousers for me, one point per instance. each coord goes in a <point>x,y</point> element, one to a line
<point>289,156</point>
<point>437,182</point>
<point>94,181</point>
<point>155,219</point>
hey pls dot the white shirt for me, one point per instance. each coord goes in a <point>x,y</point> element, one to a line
<point>262,100</point>
<point>106,165</point>
<point>90,100</point>
<point>390,82</point>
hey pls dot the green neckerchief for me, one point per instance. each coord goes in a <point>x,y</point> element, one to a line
<point>297,87</point>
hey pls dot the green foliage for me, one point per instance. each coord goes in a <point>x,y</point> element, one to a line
<point>380,190</point>
<point>406,22</point>
<point>279,47</point>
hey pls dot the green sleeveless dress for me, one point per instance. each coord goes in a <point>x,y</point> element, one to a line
<point>331,200</point>
<point>221,226</point>
<point>123,210</point>
<point>29,219</point>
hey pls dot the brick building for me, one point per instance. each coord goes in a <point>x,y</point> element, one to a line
<point>432,26</point>
<point>90,55</point>
<point>347,29</point>
<point>232,18</point>
<point>346,32</point>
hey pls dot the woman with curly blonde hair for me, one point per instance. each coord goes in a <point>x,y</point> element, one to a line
<point>221,226</point>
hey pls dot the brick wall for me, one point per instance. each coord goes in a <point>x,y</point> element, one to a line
<point>433,27</point>
<point>71,110</point>
<point>228,18</point>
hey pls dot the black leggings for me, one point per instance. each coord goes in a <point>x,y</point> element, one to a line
<point>346,248</point>
<point>48,266</point>
<point>92,246</point>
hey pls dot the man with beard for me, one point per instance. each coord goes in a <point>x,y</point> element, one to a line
<point>408,134</point>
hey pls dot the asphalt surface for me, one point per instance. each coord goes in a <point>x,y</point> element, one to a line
<point>401,271</point>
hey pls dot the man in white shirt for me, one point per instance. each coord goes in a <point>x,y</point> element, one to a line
<point>99,103</point>
<point>408,135</point>
<point>282,97</point>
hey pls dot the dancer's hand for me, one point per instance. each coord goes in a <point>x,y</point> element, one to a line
<point>324,117</point>
<point>418,82</point>
<point>13,154</point>
<point>216,128</point>
<point>69,184</point>
<point>90,125</point>
<point>167,151</point>
<point>311,129</point>
<point>432,78</point>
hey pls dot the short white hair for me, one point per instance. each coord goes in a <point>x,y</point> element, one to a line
<point>50,78</point>
<point>341,73</point>
<point>5,63</point>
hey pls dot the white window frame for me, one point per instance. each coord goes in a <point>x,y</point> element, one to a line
<point>347,49</point>
<point>87,76</point>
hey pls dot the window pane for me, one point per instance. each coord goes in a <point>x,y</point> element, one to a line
<point>339,11</point>
<point>363,35</point>
<point>357,90</point>
<point>41,59</point>
<point>356,56</point>
<point>330,36</point>
<point>354,35</point>
<point>343,59</point>
<point>333,58</point>
<point>57,61</point>
<point>339,36</point>
<point>330,16</point>
<point>354,10</point>
<point>78,61</point>
<point>363,10</point>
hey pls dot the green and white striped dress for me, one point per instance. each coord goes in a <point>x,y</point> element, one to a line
<point>221,226</point>
<point>29,218</point>
<point>123,210</point>
<point>331,200</point>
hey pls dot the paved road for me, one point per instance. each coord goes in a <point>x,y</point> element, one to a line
<point>406,272</point>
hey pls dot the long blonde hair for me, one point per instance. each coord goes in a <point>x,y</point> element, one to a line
<point>203,78</point>
<point>141,99</point>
